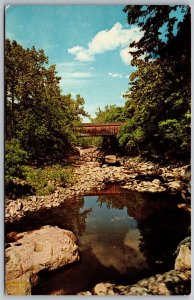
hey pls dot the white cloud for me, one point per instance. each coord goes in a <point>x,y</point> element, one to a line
<point>126,255</point>
<point>68,64</point>
<point>126,56</point>
<point>73,74</point>
<point>107,40</point>
<point>115,75</point>
<point>78,75</point>
<point>81,53</point>
<point>74,70</point>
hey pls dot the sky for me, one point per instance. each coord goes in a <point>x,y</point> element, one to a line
<point>89,45</point>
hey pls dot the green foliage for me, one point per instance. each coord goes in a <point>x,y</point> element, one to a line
<point>158,102</point>
<point>45,180</point>
<point>15,157</point>
<point>155,20</point>
<point>176,133</point>
<point>170,129</point>
<point>110,114</point>
<point>39,122</point>
<point>157,110</point>
<point>90,141</point>
<point>36,113</point>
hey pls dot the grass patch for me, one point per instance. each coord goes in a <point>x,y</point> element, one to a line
<point>39,181</point>
<point>45,180</point>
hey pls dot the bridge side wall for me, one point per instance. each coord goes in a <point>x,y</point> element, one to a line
<point>106,130</point>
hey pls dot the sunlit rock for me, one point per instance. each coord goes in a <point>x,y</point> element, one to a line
<point>173,282</point>
<point>183,260</point>
<point>102,289</point>
<point>45,249</point>
<point>110,159</point>
<point>174,186</point>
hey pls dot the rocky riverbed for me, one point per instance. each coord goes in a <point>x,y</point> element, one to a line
<point>133,174</point>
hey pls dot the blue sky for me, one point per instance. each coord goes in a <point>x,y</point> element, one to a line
<point>88,44</point>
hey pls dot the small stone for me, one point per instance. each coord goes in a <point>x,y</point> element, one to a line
<point>87,293</point>
<point>12,211</point>
<point>156,181</point>
<point>33,198</point>
<point>102,289</point>
<point>19,206</point>
<point>56,194</point>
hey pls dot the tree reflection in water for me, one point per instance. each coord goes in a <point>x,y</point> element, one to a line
<point>66,216</point>
<point>162,225</point>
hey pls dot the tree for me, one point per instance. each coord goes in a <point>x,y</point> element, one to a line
<point>23,79</point>
<point>158,101</point>
<point>37,113</point>
<point>157,112</point>
<point>110,114</point>
<point>15,157</point>
<point>154,20</point>
<point>13,65</point>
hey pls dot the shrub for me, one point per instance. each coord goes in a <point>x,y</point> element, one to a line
<point>15,158</point>
<point>45,180</point>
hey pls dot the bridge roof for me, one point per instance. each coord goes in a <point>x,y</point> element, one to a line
<point>98,129</point>
<point>100,124</point>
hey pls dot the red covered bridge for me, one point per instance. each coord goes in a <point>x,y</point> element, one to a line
<point>98,129</point>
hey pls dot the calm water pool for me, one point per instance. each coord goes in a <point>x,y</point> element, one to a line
<point>122,237</point>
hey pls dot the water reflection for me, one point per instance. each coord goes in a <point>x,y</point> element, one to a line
<point>67,216</point>
<point>113,237</point>
<point>122,238</point>
<point>161,225</point>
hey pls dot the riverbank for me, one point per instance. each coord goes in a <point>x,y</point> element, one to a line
<point>133,174</point>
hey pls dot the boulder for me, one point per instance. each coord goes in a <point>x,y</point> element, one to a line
<point>110,159</point>
<point>45,249</point>
<point>174,186</point>
<point>186,173</point>
<point>183,260</point>
<point>183,252</point>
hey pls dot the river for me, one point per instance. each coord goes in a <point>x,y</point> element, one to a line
<point>123,236</point>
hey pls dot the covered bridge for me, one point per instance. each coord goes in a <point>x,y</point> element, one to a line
<point>98,129</point>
